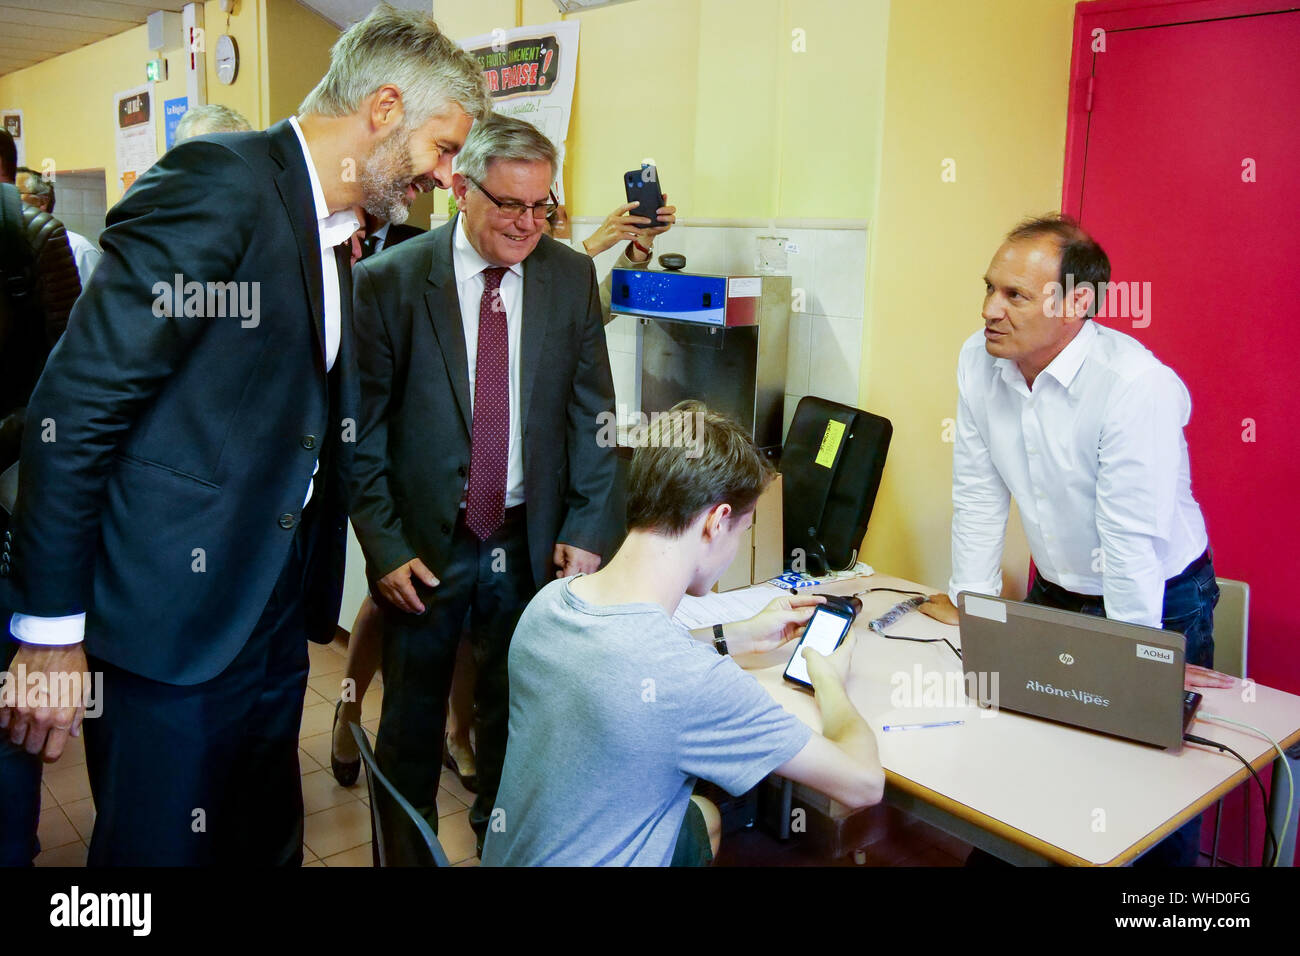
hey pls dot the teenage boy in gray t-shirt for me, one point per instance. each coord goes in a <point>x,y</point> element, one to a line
<point>615,710</point>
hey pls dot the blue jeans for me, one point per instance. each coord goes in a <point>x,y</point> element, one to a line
<point>1189,603</point>
<point>1190,597</point>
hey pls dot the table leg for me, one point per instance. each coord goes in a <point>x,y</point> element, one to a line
<point>1279,793</point>
<point>1003,849</point>
<point>787,804</point>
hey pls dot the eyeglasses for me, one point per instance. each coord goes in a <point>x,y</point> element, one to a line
<point>513,210</point>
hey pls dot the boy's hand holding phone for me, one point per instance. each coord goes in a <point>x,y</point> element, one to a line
<point>834,669</point>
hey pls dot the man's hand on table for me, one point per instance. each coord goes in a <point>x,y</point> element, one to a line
<point>1197,676</point>
<point>941,608</point>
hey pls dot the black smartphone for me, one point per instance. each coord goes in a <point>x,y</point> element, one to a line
<point>642,186</point>
<point>825,632</point>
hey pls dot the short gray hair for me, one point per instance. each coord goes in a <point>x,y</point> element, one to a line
<point>406,49</point>
<point>38,186</point>
<point>210,118</point>
<point>500,137</point>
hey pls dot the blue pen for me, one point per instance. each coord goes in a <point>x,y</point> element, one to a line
<point>942,723</point>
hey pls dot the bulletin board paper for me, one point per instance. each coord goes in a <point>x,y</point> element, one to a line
<point>13,122</point>
<point>137,137</point>
<point>530,74</point>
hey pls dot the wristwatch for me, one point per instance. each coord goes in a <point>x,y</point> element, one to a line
<point>719,642</point>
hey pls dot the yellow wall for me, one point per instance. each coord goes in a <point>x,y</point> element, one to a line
<point>741,125</point>
<point>67,102</point>
<point>298,46</point>
<point>984,83</point>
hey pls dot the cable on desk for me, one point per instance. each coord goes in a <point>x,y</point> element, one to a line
<point>1193,739</point>
<point>893,590</point>
<point>1290,802</point>
<point>923,640</point>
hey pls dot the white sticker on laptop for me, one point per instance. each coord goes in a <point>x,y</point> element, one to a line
<point>1161,654</point>
<point>983,607</point>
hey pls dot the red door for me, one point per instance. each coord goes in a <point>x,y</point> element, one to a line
<point>1183,160</point>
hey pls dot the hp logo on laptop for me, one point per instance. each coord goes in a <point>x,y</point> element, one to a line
<point>1066,659</point>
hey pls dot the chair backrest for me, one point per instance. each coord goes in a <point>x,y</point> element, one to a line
<point>401,836</point>
<point>1231,624</point>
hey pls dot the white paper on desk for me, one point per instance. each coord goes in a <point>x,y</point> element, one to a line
<point>724,608</point>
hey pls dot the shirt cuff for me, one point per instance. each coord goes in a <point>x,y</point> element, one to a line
<point>991,588</point>
<point>49,631</point>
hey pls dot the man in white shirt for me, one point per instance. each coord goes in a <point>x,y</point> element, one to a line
<point>39,192</point>
<point>1084,428</point>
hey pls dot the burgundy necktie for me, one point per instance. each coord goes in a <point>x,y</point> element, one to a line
<point>485,502</point>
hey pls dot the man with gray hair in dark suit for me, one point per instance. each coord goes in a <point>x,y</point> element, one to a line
<point>193,502</point>
<point>479,476</point>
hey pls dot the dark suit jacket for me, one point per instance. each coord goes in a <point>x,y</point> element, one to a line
<point>400,233</point>
<point>183,446</point>
<point>413,446</point>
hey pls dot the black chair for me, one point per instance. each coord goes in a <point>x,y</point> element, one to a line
<point>399,836</point>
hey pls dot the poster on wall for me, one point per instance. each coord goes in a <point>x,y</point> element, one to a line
<point>13,124</point>
<point>530,73</point>
<point>137,138</point>
<point>173,110</point>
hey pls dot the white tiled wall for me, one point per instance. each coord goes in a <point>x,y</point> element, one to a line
<point>829,265</point>
<point>79,201</point>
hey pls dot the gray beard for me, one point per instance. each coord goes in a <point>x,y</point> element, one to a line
<point>384,177</point>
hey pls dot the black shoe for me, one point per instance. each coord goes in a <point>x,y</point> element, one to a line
<point>345,773</point>
<point>469,782</point>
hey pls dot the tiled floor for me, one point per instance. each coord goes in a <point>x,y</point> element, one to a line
<point>337,825</point>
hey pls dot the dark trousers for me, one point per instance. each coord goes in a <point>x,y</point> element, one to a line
<point>20,786</point>
<point>207,774</point>
<point>1190,597</point>
<point>487,585</point>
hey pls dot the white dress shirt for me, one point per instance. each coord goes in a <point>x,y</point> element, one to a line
<point>85,254</point>
<point>334,229</point>
<point>469,266</point>
<point>1094,456</point>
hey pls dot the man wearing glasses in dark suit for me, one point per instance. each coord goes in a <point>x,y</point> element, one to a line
<point>478,473</point>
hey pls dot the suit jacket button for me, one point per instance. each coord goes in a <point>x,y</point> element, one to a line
<point>446,529</point>
<point>461,471</point>
<point>309,442</point>
<point>4,567</point>
<point>287,521</point>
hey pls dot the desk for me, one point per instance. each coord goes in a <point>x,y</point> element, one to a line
<point>1031,791</point>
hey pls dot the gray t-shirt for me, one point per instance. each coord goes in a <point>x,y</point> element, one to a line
<point>614,712</point>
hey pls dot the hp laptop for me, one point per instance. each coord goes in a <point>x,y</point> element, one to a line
<point>1079,669</point>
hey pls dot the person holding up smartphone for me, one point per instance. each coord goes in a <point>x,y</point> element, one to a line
<point>621,225</point>
<point>615,711</point>
<point>639,232</point>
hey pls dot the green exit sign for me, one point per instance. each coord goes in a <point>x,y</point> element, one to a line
<point>155,71</point>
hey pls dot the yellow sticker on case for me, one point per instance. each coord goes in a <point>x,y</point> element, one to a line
<point>830,443</point>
